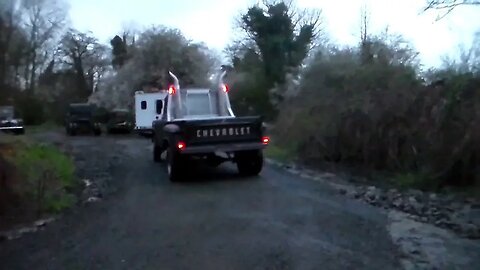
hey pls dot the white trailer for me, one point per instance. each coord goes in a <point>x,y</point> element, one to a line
<point>148,108</point>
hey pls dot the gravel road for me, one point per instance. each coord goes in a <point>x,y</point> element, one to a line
<point>217,221</point>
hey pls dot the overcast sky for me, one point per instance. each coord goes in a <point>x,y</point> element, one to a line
<point>211,21</point>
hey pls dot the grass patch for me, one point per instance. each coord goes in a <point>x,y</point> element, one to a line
<point>47,126</point>
<point>414,180</point>
<point>46,176</point>
<point>282,154</point>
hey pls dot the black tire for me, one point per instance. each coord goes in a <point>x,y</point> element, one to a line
<point>157,153</point>
<point>175,165</point>
<point>19,131</point>
<point>249,163</point>
<point>97,132</point>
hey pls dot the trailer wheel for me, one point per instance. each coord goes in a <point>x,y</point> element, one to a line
<point>249,163</point>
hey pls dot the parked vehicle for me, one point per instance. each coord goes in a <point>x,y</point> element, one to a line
<point>81,118</point>
<point>9,122</point>
<point>148,108</point>
<point>198,123</point>
<point>120,122</point>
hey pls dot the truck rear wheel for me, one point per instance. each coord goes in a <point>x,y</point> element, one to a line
<point>20,131</point>
<point>175,165</point>
<point>249,163</point>
<point>157,153</point>
<point>71,132</point>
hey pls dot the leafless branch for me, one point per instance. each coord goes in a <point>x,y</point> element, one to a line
<point>448,5</point>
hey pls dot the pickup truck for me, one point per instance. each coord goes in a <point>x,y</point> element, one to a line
<point>199,123</point>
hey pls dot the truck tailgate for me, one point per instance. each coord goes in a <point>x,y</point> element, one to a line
<point>223,130</point>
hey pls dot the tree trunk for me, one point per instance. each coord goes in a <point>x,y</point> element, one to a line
<point>32,72</point>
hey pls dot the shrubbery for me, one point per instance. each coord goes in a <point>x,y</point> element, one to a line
<point>383,116</point>
<point>41,177</point>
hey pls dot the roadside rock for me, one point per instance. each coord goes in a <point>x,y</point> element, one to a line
<point>19,232</point>
<point>424,246</point>
<point>43,222</point>
<point>445,213</point>
<point>461,216</point>
<point>92,200</point>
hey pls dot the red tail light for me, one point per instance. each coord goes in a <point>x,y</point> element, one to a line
<point>172,90</point>
<point>225,88</point>
<point>181,145</point>
<point>265,140</point>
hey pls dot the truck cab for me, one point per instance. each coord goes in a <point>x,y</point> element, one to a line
<point>199,123</point>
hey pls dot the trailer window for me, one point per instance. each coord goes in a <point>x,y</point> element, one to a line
<point>143,105</point>
<point>159,105</point>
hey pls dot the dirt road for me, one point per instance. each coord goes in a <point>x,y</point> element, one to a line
<point>217,221</point>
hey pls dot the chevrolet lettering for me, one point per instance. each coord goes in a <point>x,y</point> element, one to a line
<point>216,132</point>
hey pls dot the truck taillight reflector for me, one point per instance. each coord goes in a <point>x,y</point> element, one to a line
<point>265,140</point>
<point>172,90</point>
<point>225,88</point>
<point>181,145</point>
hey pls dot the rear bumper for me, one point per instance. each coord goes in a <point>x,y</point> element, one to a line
<point>231,147</point>
<point>11,128</point>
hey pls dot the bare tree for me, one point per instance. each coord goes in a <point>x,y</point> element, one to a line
<point>82,53</point>
<point>448,5</point>
<point>364,23</point>
<point>365,42</point>
<point>386,47</point>
<point>43,21</point>
<point>130,32</point>
<point>467,59</point>
<point>9,32</point>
